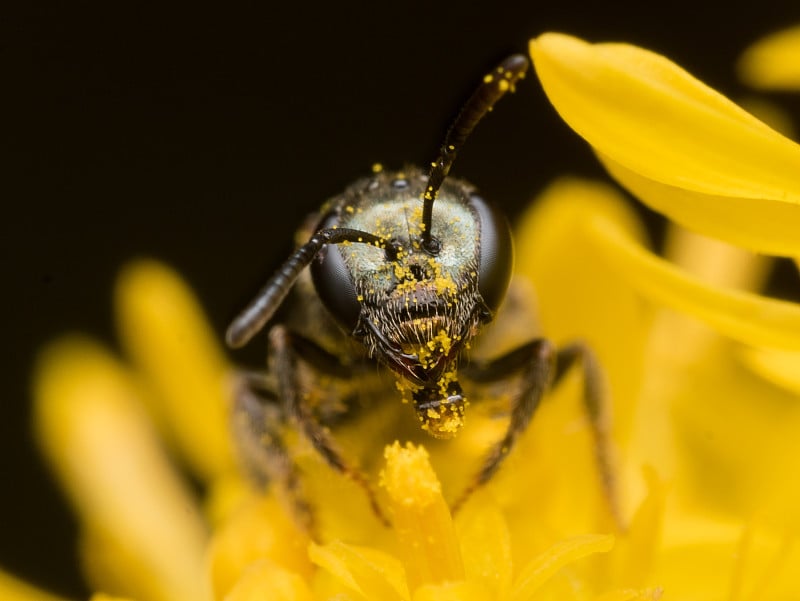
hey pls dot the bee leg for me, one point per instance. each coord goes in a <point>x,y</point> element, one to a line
<point>598,410</point>
<point>284,356</point>
<point>258,420</point>
<point>536,360</point>
<point>542,367</point>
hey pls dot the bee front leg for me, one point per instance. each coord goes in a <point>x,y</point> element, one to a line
<point>542,367</point>
<point>284,356</point>
<point>536,360</point>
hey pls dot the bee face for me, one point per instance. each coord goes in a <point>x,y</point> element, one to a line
<point>414,310</point>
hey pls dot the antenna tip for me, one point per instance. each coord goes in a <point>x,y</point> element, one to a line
<point>236,336</point>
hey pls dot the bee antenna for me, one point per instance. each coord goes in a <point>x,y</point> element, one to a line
<point>252,319</point>
<point>494,86</point>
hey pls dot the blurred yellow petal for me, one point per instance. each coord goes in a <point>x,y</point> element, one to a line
<point>169,339</point>
<point>743,316</point>
<point>579,296</point>
<point>369,572</point>
<point>133,507</point>
<point>258,530</point>
<point>265,580</point>
<point>562,554</point>
<point>779,367</point>
<point>650,594</point>
<point>681,147</point>
<point>421,518</point>
<point>104,597</point>
<point>454,591</point>
<point>14,589</point>
<point>716,262</point>
<point>485,544</point>
<point>772,63</point>
<point>750,565</point>
<point>636,552</point>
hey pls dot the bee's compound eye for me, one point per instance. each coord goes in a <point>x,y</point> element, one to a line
<point>496,253</point>
<point>335,288</point>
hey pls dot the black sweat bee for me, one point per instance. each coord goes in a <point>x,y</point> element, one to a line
<point>405,268</point>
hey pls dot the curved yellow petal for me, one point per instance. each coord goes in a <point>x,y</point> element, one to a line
<point>546,565</point>
<point>719,167</point>
<point>771,63</point>
<point>143,532</point>
<point>368,572</point>
<point>169,339</point>
<point>14,589</point>
<point>266,580</point>
<point>743,316</point>
<point>768,227</point>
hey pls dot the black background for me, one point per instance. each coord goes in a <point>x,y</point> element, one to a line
<point>203,136</point>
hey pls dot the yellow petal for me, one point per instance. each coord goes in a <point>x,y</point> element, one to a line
<point>780,367</point>
<point>164,330</point>
<point>14,589</point>
<point>485,544</point>
<point>265,580</point>
<point>760,567</point>
<point>259,530</point>
<point>421,518</point>
<point>716,262</point>
<point>649,594</point>
<point>454,591</point>
<point>578,295</point>
<point>369,572</point>
<point>138,517</point>
<point>636,551</point>
<point>546,565</point>
<point>743,316</point>
<point>771,62</point>
<point>681,147</point>
<point>771,113</point>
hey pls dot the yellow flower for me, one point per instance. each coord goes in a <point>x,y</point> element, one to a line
<point>702,370</point>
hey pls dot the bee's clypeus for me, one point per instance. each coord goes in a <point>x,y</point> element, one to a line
<point>405,269</point>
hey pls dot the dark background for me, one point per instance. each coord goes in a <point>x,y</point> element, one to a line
<point>202,137</point>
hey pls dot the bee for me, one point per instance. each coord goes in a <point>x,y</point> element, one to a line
<point>398,273</point>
